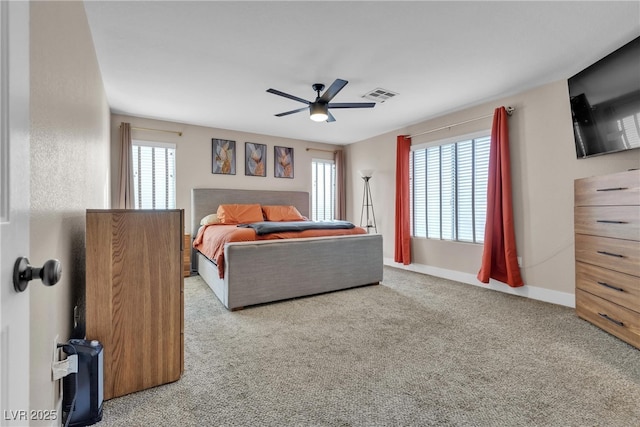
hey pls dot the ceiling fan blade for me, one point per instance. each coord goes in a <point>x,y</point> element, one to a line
<point>333,90</point>
<point>286,113</point>
<point>352,105</point>
<point>286,95</point>
<point>330,117</point>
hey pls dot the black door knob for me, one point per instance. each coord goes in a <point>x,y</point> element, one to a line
<point>49,273</point>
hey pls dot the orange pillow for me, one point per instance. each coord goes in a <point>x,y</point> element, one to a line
<point>282,213</point>
<point>239,214</point>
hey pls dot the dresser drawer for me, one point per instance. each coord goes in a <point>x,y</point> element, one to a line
<point>620,222</point>
<point>621,188</point>
<point>623,323</point>
<point>614,254</point>
<point>619,288</point>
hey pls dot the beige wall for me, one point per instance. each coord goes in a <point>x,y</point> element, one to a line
<point>69,173</point>
<point>544,166</point>
<point>193,158</point>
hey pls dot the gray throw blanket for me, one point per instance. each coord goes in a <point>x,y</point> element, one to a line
<point>267,227</point>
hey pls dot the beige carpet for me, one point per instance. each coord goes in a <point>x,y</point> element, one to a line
<point>414,351</point>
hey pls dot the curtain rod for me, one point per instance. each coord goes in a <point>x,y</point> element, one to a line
<point>318,149</point>
<point>157,130</point>
<point>510,111</point>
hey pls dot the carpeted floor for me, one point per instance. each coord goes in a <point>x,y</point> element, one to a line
<point>414,351</point>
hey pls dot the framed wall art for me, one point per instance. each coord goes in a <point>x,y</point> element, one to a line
<point>283,162</point>
<point>255,159</point>
<point>223,156</point>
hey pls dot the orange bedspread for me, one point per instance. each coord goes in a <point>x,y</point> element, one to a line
<point>211,239</point>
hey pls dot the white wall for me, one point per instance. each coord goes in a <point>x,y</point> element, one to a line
<point>544,166</point>
<point>69,173</point>
<point>193,158</point>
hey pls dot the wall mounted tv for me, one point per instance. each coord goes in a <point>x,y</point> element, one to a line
<point>605,103</point>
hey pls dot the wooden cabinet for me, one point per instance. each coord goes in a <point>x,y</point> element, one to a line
<point>607,240</point>
<point>186,258</point>
<point>135,296</point>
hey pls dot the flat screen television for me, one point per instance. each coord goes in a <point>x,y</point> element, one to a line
<point>605,103</point>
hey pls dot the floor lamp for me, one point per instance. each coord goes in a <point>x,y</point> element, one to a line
<point>367,204</point>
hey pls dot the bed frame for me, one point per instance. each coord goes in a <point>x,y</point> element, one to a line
<point>273,270</point>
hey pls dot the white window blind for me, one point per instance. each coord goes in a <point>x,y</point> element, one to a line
<point>154,166</point>
<point>449,190</point>
<point>323,192</point>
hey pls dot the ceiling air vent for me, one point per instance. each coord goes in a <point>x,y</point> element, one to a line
<point>379,95</point>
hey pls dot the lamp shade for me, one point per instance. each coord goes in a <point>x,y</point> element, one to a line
<point>319,112</point>
<point>366,173</point>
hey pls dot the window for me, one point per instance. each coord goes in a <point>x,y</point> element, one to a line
<point>323,193</point>
<point>449,189</point>
<point>154,177</point>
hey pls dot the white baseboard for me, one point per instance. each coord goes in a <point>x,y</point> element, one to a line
<point>527,291</point>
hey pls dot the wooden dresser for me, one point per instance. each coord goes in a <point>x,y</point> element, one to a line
<point>186,258</point>
<point>134,296</point>
<point>607,241</point>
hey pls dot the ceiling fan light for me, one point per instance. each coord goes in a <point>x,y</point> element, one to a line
<point>319,112</point>
<point>319,117</point>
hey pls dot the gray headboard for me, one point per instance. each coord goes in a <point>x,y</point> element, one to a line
<point>205,201</point>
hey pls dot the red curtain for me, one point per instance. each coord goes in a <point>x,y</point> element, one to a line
<point>403,231</point>
<point>500,258</point>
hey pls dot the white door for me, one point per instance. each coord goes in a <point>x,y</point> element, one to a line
<point>14,210</point>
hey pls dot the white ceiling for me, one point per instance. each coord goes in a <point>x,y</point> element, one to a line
<point>209,63</point>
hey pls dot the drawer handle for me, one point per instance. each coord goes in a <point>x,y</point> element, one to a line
<point>606,285</point>
<point>612,189</point>
<point>617,322</point>
<point>610,254</point>
<point>607,221</point>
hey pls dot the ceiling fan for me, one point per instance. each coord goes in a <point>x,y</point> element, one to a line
<point>319,109</point>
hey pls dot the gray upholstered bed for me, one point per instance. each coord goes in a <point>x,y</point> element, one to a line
<point>272,270</point>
